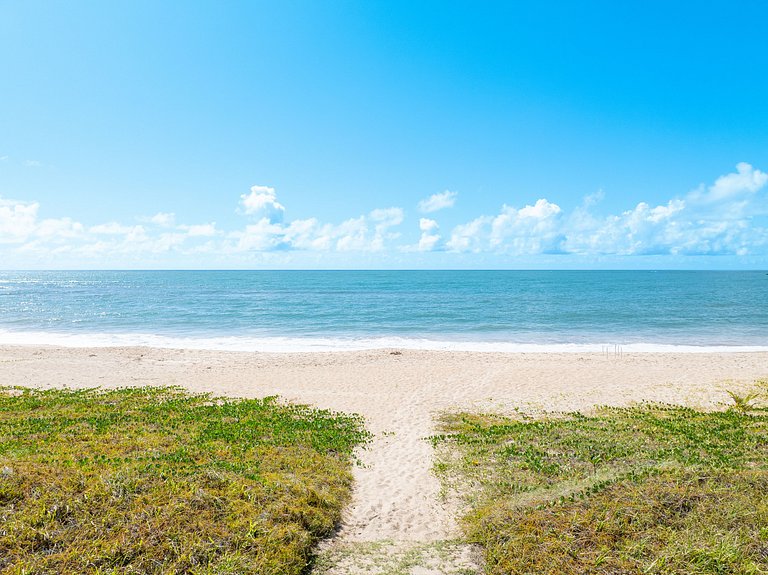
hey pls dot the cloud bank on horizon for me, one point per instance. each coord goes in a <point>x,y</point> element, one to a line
<point>726,217</point>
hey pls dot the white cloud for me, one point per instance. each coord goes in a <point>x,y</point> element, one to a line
<point>17,220</point>
<point>744,182</point>
<point>727,217</point>
<point>532,229</point>
<point>384,220</point>
<point>429,237</point>
<point>388,216</point>
<point>642,230</point>
<point>59,229</point>
<point>115,229</point>
<point>20,224</point>
<point>200,230</point>
<point>368,233</point>
<point>427,225</point>
<point>437,202</point>
<point>470,237</point>
<point>261,236</point>
<point>262,202</point>
<point>350,235</point>
<point>673,228</point>
<point>162,219</point>
<point>32,163</point>
<point>715,220</point>
<point>541,210</point>
<point>167,241</point>
<point>304,235</point>
<point>594,198</point>
<point>734,196</point>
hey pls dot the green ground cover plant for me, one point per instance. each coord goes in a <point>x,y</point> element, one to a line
<point>657,489</point>
<point>156,480</point>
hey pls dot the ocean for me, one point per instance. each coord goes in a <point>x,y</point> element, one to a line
<point>608,311</point>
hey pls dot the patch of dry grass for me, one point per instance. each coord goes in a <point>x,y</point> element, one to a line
<point>154,480</point>
<point>648,489</point>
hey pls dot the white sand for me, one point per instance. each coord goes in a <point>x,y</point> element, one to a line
<point>398,394</point>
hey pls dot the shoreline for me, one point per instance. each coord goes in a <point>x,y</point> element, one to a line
<point>399,393</point>
<point>291,345</point>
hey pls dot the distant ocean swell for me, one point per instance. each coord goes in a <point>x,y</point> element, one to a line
<point>514,311</point>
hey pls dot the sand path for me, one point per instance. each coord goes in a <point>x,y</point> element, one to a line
<point>397,497</point>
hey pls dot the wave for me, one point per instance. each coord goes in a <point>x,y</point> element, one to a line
<point>317,344</point>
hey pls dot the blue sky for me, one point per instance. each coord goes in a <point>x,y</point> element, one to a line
<point>383,134</point>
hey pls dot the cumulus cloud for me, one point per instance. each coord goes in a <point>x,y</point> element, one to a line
<point>734,196</point>
<point>384,219</point>
<point>742,183</point>
<point>532,229</point>
<point>594,198</point>
<point>17,220</point>
<point>199,230</point>
<point>261,236</point>
<point>437,202</point>
<point>20,224</point>
<point>387,217</point>
<point>351,235</point>
<point>429,236</point>
<point>162,219</point>
<point>725,217</point>
<point>368,233</point>
<point>470,237</point>
<point>364,233</point>
<point>643,230</point>
<point>305,235</point>
<point>115,229</point>
<point>427,226</point>
<point>59,229</point>
<point>262,202</point>
<point>711,220</point>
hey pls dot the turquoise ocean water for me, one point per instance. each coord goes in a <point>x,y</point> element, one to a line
<point>329,310</point>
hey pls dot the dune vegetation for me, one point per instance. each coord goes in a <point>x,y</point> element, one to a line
<point>657,489</point>
<point>156,480</point>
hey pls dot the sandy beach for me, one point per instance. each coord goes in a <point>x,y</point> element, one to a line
<point>399,392</point>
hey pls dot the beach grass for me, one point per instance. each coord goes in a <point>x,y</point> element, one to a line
<point>651,489</point>
<point>157,480</point>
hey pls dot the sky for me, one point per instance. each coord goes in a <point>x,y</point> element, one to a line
<point>383,134</point>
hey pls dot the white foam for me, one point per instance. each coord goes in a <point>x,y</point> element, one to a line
<point>317,344</point>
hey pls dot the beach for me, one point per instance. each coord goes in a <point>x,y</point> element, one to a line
<point>400,392</point>
<point>383,288</point>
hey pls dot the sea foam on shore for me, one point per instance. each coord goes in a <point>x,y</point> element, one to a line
<point>317,344</point>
